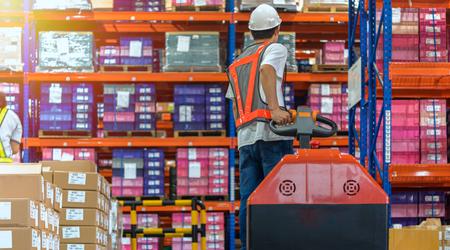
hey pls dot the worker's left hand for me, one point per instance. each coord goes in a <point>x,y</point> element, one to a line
<point>281,117</point>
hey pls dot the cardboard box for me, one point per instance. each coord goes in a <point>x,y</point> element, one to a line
<point>81,234</point>
<point>20,168</point>
<point>82,247</point>
<point>49,194</point>
<point>78,180</point>
<point>19,213</point>
<point>74,166</point>
<point>53,221</point>
<point>81,217</point>
<point>20,238</point>
<point>413,239</point>
<point>31,186</point>
<point>48,174</point>
<point>82,199</point>
<point>43,217</point>
<point>58,199</point>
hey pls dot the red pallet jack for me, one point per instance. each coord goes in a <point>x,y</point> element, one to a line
<point>317,199</point>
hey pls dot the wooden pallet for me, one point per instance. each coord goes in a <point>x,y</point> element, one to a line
<point>325,9</point>
<point>137,133</point>
<point>198,133</point>
<point>64,134</point>
<point>126,68</point>
<point>193,69</point>
<point>329,68</point>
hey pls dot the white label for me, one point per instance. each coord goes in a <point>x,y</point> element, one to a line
<point>326,105</point>
<point>129,170</point>
<point>57,152</point>
<point>5,210</point>
<point>430,17</point>
<point>433,29</point>
<point>50,194</point>
<point>433,108</point>
<point>55,94</point>
<point>76,196</point>
<point>74,214</point>
<point>67,157</point>
<point>431,121</point>
<point>5,239</point>
<point>433,145</point>
<point>192,154</point>
<point>433,132</point>
<point>123,99</point>
<point>62,45</point>
<point>431,41</point>
<point>387,132</point>
<point>77,178</point>
<point>135,49</point>
<point>35,242</point>
<point>325,89</point>
<point>396,15</point>
<point>183,43</point>
<point>75,247</point>
<point>71,232</point>
<point>199,2</point>
<point>194,169</point>
<point>434,157</point>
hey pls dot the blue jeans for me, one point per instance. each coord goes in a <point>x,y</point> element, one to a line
<point>255,162</point>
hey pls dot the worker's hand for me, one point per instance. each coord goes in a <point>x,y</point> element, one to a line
<point>281,117</point>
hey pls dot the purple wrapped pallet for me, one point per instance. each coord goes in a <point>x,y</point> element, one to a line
<point>190,108</point>
<point>136,61</point>
<point>47,88</point>
<point>56,108</point>
<point>153,172</point>
<point>405,198</point>
<point>192,117</point>
<point>142,41</point>
<point>48,116</point>
<point>113,108</point>
<point>189,99</point>
<point>109,60</point>
<point>145,89</point>
<point>189,126</point>
<point>136,51</point>
<point>128,153</point>
<point>144,126</point>
<point>119,126</point>
<point>431,197</point>
<point>189,89</point>
<point>154,153</point>
<point>54,125</point>
<point>149,8</point>
<point>215,125</point>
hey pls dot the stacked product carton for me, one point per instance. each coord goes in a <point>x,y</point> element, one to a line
<point>56,106</point>
<point>143,221</point>
<point>334,53</point>
<point>128,172</point>
<point>58,154</point>
<point>145,108</point>
<point>10,48</point>
<point>433,35</point>
<point>83,106</point>
<point>30,205</point>
<point>189,107</point>
<point>119,107</point>
<point>85,206</point>
<point>109,55</point>
<point>154,172</point>
<point>327,99</point>
<point>433,131</point>
<point>12,92</point>
<point>215,107</point>
<point>136,51</point>
<point>289,5</point>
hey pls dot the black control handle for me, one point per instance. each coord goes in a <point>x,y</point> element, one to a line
<point>288,130</point>
<point>319,131</point>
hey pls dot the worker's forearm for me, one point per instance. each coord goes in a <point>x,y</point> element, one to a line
<point>269,84</point>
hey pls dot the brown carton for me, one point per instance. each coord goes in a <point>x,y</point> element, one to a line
<point>46,240</point>
<point>81,234</point>
<point>74,166</point>
<point>20,168</point>
<point>58,199</point>
<point>82,199</point>
<point>48,174</point>
<point>49,194</point>
<point>30,186</point>
<point>78,180</point>
<point>20,238</point>
<point>413,239</point>
<point>82,247</point>
<point>19,213</point>
<point>53,220</point>
<point>81,217</point>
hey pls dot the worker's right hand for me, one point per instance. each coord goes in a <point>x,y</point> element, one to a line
<point>281,117</point>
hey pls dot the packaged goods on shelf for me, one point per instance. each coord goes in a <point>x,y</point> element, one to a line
<point>145,110</point>
<point>65,52</point>
<point>215,107</point>
<point>10,49</point>
<point>308,3</point>
<point>290,5</point>
<point>62,5</point>
<point>433,131</point>
<point>192,51</point>
<point>202,171</point>
<point>136,51</point>
<point>139,5</point>
<point>56,106</point>
<point>12,92</point>
<point>285,38</point>
<point>327,99</point>
<point>109,55</point>
<point>433,35</point>
<point>128,172</point>
<point>215,231</point>
<point>154,172</point>
<point>189,107</point>
<point>405,132</point>
<point>64,154</point>
<point>119,107</point>
<point>143,221</point>
<point>405,208</point>
<point>333,53</point>
<point>83,103</point>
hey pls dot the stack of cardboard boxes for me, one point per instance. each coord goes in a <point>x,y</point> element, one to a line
<point>29,208</point>
<point>86,204</point>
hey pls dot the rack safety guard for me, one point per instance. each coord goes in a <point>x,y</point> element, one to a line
<point>197,208</point>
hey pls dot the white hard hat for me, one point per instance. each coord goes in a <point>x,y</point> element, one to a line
<point>264,17</point>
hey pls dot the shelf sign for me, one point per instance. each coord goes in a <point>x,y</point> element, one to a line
<point>354,84</point>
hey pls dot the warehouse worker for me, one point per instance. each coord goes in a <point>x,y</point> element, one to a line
<point>256,78</point>
<point>10,132</point>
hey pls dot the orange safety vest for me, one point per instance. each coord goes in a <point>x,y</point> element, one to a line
<point>243,75</point>
<point>3,157</point>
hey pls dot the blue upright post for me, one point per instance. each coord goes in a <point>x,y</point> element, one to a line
<point>372,87</point>
<point>231,130</point>
<point>363,102</point>
<point>352,18</point>
<point>387,97</point>
<point>26,68</point>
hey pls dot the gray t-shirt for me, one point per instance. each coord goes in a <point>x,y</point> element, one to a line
<point>275,56</point>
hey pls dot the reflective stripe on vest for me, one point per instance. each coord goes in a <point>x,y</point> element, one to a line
<point>3,158</point>
<point>243,75</point>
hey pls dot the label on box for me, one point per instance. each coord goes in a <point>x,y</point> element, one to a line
<point>218,181</point>
<point>56,154</point>
<point>430,16</point>
<point>58,197</point>
<point>44,216</point>
<point>432,29</point>
<point>135,49</point>
<point>396,15</point>
<point>35,239</point>
<point>431,121</point>
<point>433,108</point>
<point>50,194</point>
<point>71,232</point>
<point>215,108</point>
<point>76,196</point>
<point>194,169</point>
<point>129,170</point>
<point>219,163</point>
<point>6,239</point>
<point>447,234</point>
<point>219,172</point>
<point>431,41</point>
<point>67,157</point>
<point>183,43</point>
<point>326,106</point>
<point>5,210</point>
<point>218,153</point>
<point>76,178</point>
<point>433,145</point>
<point>34,213</point>
<point>123,99</point>
<point>434,132</point>
<point>434,157</point>
<point>192,153</point>
<point>74,214</point>
<point>62,45</point>
<point>199,2</point>
<point>45,242</point>
<point>433,53</point>
<point>325,89</point>
<point>55,94</point>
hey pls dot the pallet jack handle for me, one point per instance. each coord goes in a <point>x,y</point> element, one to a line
<point>304,126</point>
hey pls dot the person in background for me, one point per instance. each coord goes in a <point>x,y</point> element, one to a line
<point>256,78</point>
<point>10,132</point>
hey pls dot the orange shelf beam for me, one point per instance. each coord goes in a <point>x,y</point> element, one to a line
<point>216,206</point>
<point>420,175</point>
<point>11,75</point>
<point>130,142</point>
<point>302,17</point>
<point>418,3</point>
<point>317,77</point>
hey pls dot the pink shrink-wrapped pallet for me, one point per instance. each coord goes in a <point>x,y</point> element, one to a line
<point>68,154</point>
<point>333,53</point>
<point>433,35</point>
<point>433,131</point>
<point>436,210</point>
<point>327,99</point>
<point>405,210</point>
